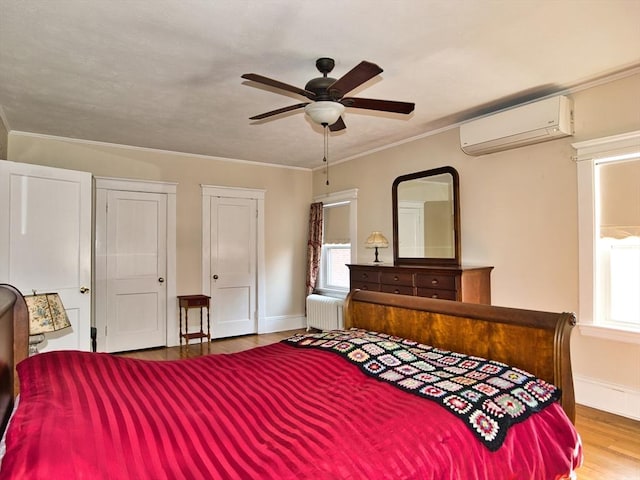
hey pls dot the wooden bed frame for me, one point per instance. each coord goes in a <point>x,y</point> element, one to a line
<point>537,342</point>
<point>14,346</point>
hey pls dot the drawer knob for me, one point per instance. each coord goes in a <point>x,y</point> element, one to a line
<point>365,287</point>
<point>395,278</point>
<point>396,291</point>
<point>434,281</point>
<point>435,295</point>
<point>365,276</point>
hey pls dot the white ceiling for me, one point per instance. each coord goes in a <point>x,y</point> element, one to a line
<point>165,74</point>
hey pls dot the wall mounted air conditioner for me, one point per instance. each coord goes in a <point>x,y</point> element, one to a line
<point>535,122</point>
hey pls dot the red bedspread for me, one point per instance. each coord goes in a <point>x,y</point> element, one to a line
<point>271,412</point>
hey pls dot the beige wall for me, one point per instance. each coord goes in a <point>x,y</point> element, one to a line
<point>519,213</point>
<point>287,199</point>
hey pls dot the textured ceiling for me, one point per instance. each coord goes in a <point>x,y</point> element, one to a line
<point>165,74</point>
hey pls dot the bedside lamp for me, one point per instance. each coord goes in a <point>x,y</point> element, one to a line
<point>46,314</point>
<point>376,240</point>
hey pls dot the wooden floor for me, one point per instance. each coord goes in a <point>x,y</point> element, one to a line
<point>225,345</point>
<point>611,443</point>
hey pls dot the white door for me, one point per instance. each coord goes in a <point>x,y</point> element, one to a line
<point>233,266</point>
<point>411,229</point>
<point>136,265</point>
<point>45,220</point>
<point>230,253</point>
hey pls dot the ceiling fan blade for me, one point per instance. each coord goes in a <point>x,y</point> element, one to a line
<point>381,105</point>
<point>254,77</point>
<point>339,125</point>
<point>353,78</point>
<point>278,111</point>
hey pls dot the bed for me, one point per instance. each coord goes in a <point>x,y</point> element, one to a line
<point>316,405</point>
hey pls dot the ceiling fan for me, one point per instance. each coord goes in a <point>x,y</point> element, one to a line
<point>327,94</point>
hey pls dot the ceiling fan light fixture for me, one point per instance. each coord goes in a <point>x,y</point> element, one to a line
<point>324,112</point>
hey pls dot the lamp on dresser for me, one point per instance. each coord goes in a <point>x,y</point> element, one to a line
<point>376,240</point>
<point>46,314</point>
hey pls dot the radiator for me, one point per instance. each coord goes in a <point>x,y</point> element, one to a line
<point>324,313</point>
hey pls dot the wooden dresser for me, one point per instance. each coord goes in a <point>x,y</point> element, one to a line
<point>461,283</point>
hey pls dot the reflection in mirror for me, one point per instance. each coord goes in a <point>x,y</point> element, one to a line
<point>425,222</point>
<point>425,217</point>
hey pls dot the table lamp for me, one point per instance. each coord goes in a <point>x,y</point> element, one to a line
<point>46,314</point>
<point>376,240</point>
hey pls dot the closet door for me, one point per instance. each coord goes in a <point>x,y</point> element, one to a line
<point>136,271</point>
<point>135,250</point>
<point>45,244</point>
<point>233,266</point>
<point>233,259</point>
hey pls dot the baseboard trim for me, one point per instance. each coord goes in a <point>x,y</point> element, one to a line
<point>609,397</point>
<point>283,323</point>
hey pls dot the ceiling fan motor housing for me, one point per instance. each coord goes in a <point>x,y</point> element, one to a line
<point>320,86</point>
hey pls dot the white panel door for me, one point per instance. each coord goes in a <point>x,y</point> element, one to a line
<point>136,264</point>
<point>45,221</point>
<point>411,229</point>
<point>233,266</point>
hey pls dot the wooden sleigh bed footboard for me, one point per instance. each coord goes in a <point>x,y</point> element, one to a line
<point>535,341</point>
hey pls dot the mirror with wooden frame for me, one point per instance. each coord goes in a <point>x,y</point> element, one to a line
<point>426,218</point>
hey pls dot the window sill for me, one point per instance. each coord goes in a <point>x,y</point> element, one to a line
<point>332,292</point>
<point>610,333</point>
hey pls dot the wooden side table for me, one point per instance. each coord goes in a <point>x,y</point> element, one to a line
<point>186,302</point>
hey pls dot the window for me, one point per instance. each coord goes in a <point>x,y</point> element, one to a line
<point>338,249</point>
<point>609,234</point>
<point>336,259</point>
<point>617,187</point>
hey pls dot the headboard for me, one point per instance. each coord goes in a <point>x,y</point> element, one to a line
<point>14,345</point>
<point>535,341</point>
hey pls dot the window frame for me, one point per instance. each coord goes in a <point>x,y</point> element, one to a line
<point>349,197</point>
<point>589,154</point>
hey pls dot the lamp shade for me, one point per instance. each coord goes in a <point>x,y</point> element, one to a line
<point>324,112</point>
<point>376,239</point>
<point>46,313</point>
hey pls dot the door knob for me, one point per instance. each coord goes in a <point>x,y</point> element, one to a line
<point>215,277</point>
<point>84,289</point>
<point>161,280</point>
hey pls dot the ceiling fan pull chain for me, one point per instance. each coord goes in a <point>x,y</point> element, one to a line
<point>326,152</point>
<point>324,139</point>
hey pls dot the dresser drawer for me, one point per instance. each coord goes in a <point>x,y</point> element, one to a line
<point>397,278</point>
<point>358,275</point>
<point>373,287</point>
<point>436,281</point>
<point>435,293</point>
<point>401,289</point>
